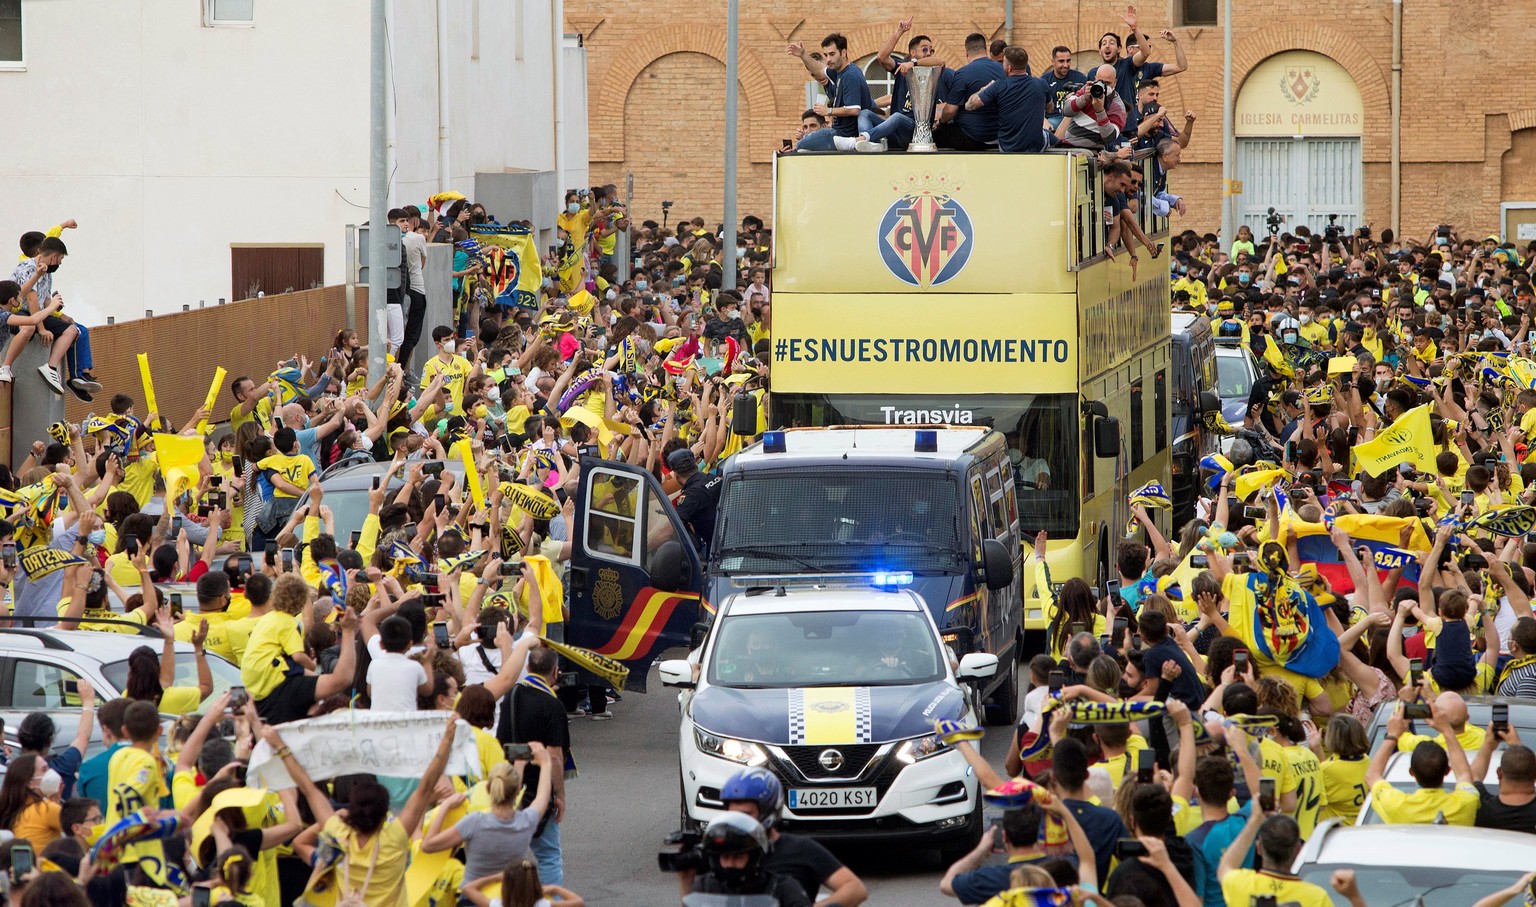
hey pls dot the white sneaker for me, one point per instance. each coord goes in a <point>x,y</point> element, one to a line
<point>844,143</point>
<point>868,147</point>
<point>5,374</point>
<point>51,375</point>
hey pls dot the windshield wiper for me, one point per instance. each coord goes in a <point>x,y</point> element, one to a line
<point>770,553</point>
<point>1417,900</point>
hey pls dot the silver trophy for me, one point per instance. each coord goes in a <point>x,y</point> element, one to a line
<point>923,86</point>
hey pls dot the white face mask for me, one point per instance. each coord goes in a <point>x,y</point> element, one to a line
<point>449,346</point>
<point>1354,313</point>
<point>1306,319</point>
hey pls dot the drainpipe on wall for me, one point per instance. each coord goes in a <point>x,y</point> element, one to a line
<point>1397,117</point>
<point>444,168</point>
<point>557,61</point>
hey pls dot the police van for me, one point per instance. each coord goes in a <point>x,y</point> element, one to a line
<point>932,509</point>
<point>835,689</point>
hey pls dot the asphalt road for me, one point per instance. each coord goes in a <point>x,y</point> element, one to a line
<point>625,800</point>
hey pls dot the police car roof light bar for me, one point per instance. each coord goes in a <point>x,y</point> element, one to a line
<point>884,579</point>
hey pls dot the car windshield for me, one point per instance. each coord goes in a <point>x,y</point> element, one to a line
<point>825,649</point>
<point>1232,377</point>
<point>1403,886</point>
<point>349,508</point>
<point>225,675</point>
<point>839,519</point>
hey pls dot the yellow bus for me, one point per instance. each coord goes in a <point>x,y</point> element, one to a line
<point>975,289</point>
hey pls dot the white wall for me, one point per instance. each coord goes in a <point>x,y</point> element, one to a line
<point>168,141</point>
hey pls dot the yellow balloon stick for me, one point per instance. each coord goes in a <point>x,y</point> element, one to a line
<point>149,388</point>
<point>472,475</point>
<point>213,397</point>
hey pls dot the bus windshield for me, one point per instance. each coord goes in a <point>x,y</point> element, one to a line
<point>831,519</point>
<point>1042,432</point>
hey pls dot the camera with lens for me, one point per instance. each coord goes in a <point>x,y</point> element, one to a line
<point>1333,232</point>
<point>689,856</point>
<point>1098,89</point>
<point>1272,221</point>
<point>666,206</point>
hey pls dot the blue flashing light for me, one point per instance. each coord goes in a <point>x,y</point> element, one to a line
<point>927,441</point>
<point>893,578</point>
<point>773,442</point>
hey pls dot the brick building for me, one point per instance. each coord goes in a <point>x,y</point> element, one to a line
<point>1313,79</point>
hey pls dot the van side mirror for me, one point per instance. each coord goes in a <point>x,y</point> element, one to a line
<point>997,564</point>
<point>744,416</point>
<point>667,567</point>
<point>697,634</point>
<point>1106,437</point>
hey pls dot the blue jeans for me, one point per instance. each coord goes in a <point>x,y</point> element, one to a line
<point>821,139</point>
<point>897,130</point>
<point>78,358</point>
<point>546,849</point>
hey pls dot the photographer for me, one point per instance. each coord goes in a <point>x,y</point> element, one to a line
<point>736,849</point>
<point>1095,115</point>
<point>757,793</point>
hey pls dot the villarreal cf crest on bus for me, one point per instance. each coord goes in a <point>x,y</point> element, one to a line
<point>926,235</point>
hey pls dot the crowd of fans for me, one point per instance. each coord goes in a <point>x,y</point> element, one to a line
<point>1362,552</point>
<point>444,594</point>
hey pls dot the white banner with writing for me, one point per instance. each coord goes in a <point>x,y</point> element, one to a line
<point>391,744</point>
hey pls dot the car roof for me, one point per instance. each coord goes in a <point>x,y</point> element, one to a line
<point>360,476</point>
<point>1419,845</point>
<point>790,600</point>
<point>866,443</point>
<point>102,647</point>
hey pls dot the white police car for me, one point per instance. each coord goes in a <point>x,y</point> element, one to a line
<point>834,690</point>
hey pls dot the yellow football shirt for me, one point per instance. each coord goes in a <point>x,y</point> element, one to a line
<point>1343,788</point>
<point>1241,886</point>
<point>1304,770</point>
<point>296,468</point>
<point>1422,805</point>
<point>265,665</point>
<point>134,782</point>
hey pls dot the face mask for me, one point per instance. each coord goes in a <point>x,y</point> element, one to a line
<point>1243,278</point>
<point>1354,313</point>
<point>572,208</point>
<point>741,252</point>
<point>1305,319</point>
<point>547,283</point>
<point>1182,270</point>
<point>1288,336</point>
<point>52,268</point>
<point>1408,632</point>
<point>641,285</point>
<point>449,346</point>
<point>733,315</point>
<point>97,537</point>
<point>225,456</point>
<point>1430,307</point>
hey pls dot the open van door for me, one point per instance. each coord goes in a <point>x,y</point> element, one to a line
<point>635,576</point>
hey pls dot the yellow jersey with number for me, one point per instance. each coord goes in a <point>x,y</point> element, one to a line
<point>1343,788</point>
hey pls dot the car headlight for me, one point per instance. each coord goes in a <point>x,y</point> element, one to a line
<point>738,751</point>
<point>920,748</point>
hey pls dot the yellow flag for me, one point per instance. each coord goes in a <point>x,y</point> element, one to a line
<point>178,457</point>
<point>607,668</point>
<point>1408,440</point>
<point>1249,482</point>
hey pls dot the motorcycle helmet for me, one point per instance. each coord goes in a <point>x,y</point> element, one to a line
<point>736,833</point>
<point>759,786</point>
